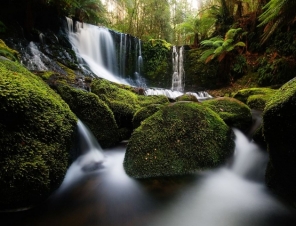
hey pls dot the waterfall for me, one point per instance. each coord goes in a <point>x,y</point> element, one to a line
<point>139,80</point>
<point>122,54</point>
<point>34,59</point>
<point>249,161</point>
<point>178,69</point>
<point>96,48</point>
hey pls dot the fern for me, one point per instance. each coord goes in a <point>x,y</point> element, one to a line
<point>277,13</point>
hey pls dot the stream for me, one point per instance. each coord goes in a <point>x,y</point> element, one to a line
<point>96,191</point>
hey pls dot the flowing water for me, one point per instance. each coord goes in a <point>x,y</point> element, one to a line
<point>178,69</point>
<point>96,191</point>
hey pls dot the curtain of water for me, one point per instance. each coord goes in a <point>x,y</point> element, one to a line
<point>178,69</point>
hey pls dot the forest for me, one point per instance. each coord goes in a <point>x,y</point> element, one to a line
<point>71,126</point>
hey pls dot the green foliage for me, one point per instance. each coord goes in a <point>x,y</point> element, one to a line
<point>178,139</point>
<point>239,66</point>
<point>219,48</point>
<point>234,112</point>
<point>90,11</point>
<point>36,130</point>
<point>277,13</point>
<point>284,43</point>
<point>94,113</point>
<point>199,74</point>
<point>276,71</point>
<point>157,67</point>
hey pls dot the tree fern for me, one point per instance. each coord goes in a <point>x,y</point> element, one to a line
<point>277,13</point>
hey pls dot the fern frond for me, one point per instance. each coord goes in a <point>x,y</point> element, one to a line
<point>204,56</point>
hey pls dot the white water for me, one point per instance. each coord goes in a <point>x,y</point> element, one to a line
<point>178,69</point>
<point>90,159</point>
<point>96,47</point>
<point>34,59</point>
<point>107,196</point>
<point>203,95</point>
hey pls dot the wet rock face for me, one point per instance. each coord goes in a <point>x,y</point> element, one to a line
<point>279,123</point>
<point>179,139</point>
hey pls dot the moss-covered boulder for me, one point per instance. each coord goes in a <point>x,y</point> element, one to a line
<point>234,112</point>
<point>279,123</point>
<point>123,101</point>
<point>94,112</point>
<point>187,97</point>
<point>36,132</point>
<point>178,139</point>
<point>258,101</point>
<point>144,113</point>
<point>244,94</point>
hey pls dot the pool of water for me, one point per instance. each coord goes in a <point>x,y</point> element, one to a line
<point>102,194</point>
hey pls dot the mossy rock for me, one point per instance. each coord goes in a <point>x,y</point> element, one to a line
<point>258,137</point>
<point>258,101</point>
<point>234,112</point>
<point>7,52</point>
<point>179,139</point>
<point>187,97</point>
<point>279,123</point>
<point>123,101</point>
<point>144,113</point>
<point>244,94</point>
<point>37,129</point>
<point>94,112</point>
<point>148,100</point>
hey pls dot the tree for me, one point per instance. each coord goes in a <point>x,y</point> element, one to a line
<point>277,14</point>
<point>224,50</point>
<point>197,28</point>
<point>91,11</point>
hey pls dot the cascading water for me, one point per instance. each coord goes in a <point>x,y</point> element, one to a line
<point>122,54</point>
<point>139,80</point>
<point>178,69</point>
<point>231,195</point>
<point>90,159</point>
<point>95,46</point>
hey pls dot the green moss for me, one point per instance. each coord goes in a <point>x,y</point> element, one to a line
<point>178,139</point>
<point>244,94</point>
<point>144,113</point>
<point>157,67</point>
<point>187,97</point>
<point>94,112</point>
<point>279,122</point>
<point>123,101</point>
<point>234,112</point>
<point>259,101</point>
<point>8,52</point>
<point>36,130</point>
